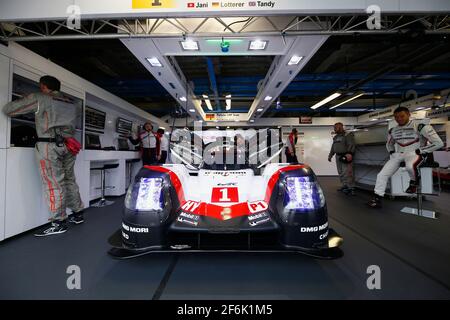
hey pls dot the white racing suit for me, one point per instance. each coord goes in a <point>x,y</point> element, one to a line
<point>55,115</point>
<point>402,143</point>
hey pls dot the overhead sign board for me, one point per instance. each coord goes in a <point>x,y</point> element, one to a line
<point>27,10</point>
<point>226,116</point>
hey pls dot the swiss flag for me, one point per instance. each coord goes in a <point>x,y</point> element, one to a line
<point>191,5</point>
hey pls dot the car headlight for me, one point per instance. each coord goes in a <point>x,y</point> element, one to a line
<point>303,193</point>
<point>146,195</point>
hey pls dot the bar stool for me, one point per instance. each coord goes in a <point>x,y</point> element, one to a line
<point>129,163</point>
<point>425,167</point>
<point>103,202</point>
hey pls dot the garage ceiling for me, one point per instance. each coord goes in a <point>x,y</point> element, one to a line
<point>386,67</point>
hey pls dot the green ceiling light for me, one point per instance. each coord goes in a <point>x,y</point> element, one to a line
<point>225,46</point>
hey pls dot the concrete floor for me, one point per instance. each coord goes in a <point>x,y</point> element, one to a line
<point>413,254</point>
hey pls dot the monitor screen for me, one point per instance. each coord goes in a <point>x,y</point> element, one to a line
<point>123,126</point>
<point>95,119</point>
<point>123,145</point>
<point>93,141</point>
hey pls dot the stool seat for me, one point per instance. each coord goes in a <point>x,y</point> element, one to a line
<point>107,166</point>
<point>132,160</point>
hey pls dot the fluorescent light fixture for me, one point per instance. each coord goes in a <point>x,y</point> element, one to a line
<point>294,60</point>
<point>257,45</point>
<point>189,45</point>
<point>191,110</point>
<point>183,98</point>
<point>228,102</point>
<point>208,103</point>
<point>326,100</point>
<point>374,119</point>
<point>426,109</point>
<point>259,109</point>
<point>162,128</point>
<point>267,98</point>
<point>348,100</point>
<point>252,120</point>
<point>154,62</point>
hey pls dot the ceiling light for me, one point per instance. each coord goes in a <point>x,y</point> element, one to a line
<point>257,45</point>
<point>154,62</point>
<point>252,120</point>
<point>294,60</point>
<point>190,45</point>
<point>267,98</point>
<point>208,103</point>
<point>326,100</point>
<point>191,110</point>
<point>374,119</point>
<point>183,98</point>
<point>348,100</point>
<point>228,102</point>
<point>162,128</point>
<point>259,109</point>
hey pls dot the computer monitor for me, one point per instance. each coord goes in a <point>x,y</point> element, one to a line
<point>123,145</point>
<point>93,141</point>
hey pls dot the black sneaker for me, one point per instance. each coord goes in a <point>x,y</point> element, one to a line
<point>412,187</point>
<point>55,228</point>
<point>375,202</point>
<point>76,218</point>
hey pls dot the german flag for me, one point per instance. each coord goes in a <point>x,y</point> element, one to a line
<point>216,4</point>
<point>210,116</point>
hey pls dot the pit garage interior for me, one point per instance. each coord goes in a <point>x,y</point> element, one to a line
<point>225,66</point>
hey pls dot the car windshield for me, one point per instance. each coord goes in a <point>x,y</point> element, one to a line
<point>219,153</point>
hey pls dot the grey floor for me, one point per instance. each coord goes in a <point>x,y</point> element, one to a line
<point>413,254</point>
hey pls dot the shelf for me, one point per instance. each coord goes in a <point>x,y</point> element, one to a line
<point>23,121</point>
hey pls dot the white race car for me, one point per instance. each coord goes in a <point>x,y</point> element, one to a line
<point>223,207</point>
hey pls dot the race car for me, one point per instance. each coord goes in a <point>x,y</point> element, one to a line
<point>225,207</point>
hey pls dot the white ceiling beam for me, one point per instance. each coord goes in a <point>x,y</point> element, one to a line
<point>169,75</point>
<point>280,74</point>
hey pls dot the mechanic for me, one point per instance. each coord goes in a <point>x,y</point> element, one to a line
<point>291,156</point>
<point>344,147</point>
<point>164,146</point>
<point>406,142</point>
<point>55,116</point>
<point>148,141</point>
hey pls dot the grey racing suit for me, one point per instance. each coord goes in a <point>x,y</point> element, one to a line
<point>402,143</point>
<point>55,115</point>
<point>343,143</point>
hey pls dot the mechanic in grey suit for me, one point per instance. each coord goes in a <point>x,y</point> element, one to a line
<point>344,147</point>
<point>55,116</point>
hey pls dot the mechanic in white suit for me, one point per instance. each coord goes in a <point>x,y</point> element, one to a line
<point>406,142</point>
